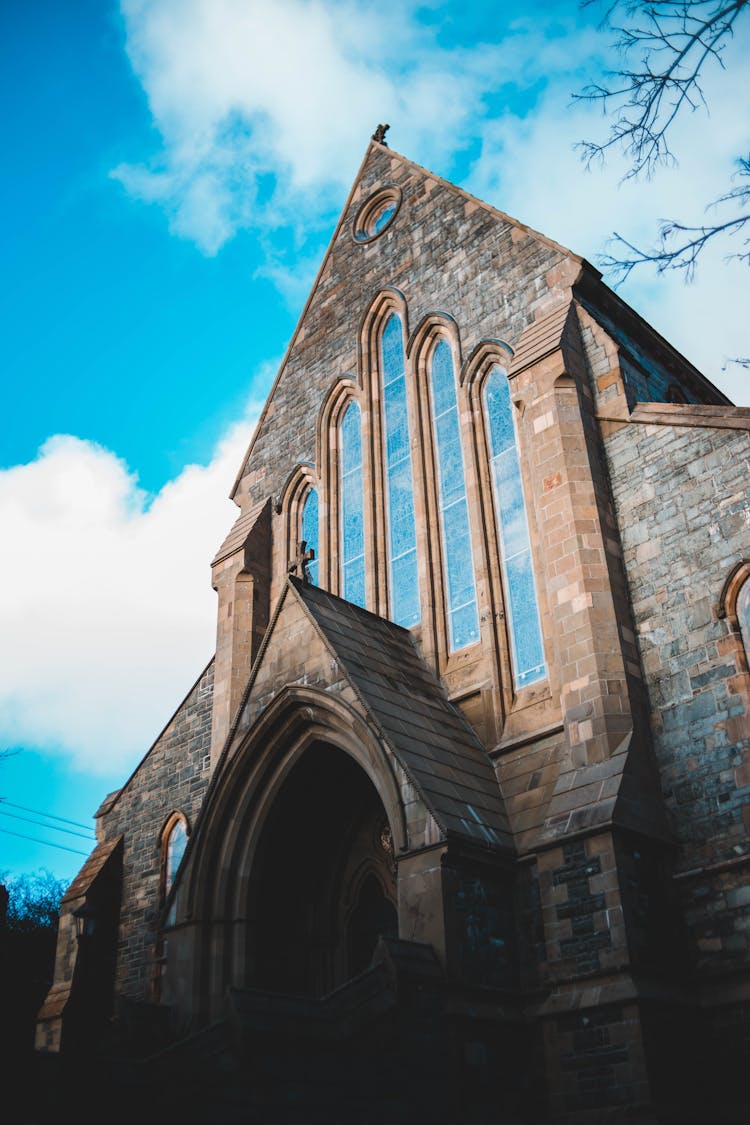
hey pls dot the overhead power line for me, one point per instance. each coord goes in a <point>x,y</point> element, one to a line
<point>49,816</point>
<point>47,843</point>
<point>41,824</point>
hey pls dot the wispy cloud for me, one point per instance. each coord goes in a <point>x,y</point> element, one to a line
<point>244,92</point>
<point>105,596</point>
<point>264,107</point>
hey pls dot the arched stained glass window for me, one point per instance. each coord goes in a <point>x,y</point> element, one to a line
<point>309,532</point>
<point>173,853</point>
<point>402,536</point>
<point>515,548</point>
<point>461,593</point>
<point>352,507</point>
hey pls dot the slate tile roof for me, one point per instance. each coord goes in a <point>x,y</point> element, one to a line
<point>93,866</point>
<point>437,748</point>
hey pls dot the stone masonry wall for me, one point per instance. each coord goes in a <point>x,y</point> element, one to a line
<point>681,495</point>
<point>173,776</point>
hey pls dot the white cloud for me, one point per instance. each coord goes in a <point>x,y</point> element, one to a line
<point>243,91</point>
<point>251,93</point>
<point>106,600</point>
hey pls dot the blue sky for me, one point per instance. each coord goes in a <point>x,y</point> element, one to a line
<point>173,172</point>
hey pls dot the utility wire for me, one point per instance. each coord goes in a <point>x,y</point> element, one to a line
<point>41,824</point>
<point>49,816</point>
<point>47,843</point>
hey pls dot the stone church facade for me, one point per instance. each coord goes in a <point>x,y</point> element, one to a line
<point>457,819</point>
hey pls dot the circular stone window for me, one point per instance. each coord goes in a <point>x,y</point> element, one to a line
<point>376,214</point>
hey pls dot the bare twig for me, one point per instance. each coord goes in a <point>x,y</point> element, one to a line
<point>664,46</point>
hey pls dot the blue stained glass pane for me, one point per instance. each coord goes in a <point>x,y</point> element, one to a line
<point>383,218</point>
<point>396,422</point>
<point>352,507</point>
<point>510,502</point>
<point>524,620</point>
<point>499,412</point>
<point>464,626</point>
<point>402,539</point>
<point>442,381</point>
<point>405,595</point>
<point>401,510</point>
<point>392,346</point>
<point>523,605</point>
<point>309,532</point>
<point>453,485</point>
<point>458,557</point>
<point>354,581</point>
<point>463,620</point>
<point>352,518</point>
<point>351,439</point>
<point>175,851</point>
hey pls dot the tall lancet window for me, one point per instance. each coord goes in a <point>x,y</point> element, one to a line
<point>309,532</point>
<point>174,850</point>
<point>402,536</point>
<point>461,595</point>
<point>352,507</point>
<point>521,598</point>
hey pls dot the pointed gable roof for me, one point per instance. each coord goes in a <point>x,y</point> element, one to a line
<point>472,203</point>
<point>429,736</point>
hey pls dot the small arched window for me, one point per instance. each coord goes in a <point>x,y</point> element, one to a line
<point>401,525</point>
<point>743,615</point>
<point>309,532</point>
<point>174,849</point>
<point>515,547</point>
<point>734,604</point>
<point>352,507</point>
<point>461,596</point>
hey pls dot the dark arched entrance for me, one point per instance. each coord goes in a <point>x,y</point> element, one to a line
<point>323,885</point>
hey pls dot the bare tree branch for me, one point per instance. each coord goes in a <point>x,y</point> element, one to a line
<point>664,46</point>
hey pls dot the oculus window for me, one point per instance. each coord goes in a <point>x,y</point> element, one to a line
<point>376,214</point>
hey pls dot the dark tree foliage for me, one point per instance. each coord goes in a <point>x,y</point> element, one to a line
<point>28,933</point>
<point>666,48</point>
<point>33,901</point>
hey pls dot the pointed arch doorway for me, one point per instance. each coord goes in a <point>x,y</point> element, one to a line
<point>323,887</point>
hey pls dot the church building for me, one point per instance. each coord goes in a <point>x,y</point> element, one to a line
<point>455,824</point>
